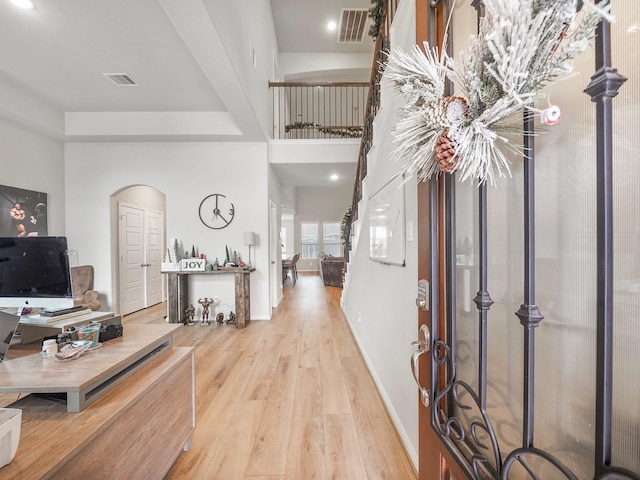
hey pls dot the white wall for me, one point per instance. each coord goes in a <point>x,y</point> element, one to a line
<point>34,161</point>
<point>314,151</point>
<point>185,173</point>
<point>250,41</point>
<point>354,67</point>
<point>379,300</point>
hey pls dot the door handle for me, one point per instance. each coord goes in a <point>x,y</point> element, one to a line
<point>423,346</point>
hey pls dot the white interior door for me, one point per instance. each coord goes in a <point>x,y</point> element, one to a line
<point>131,258</point>
<point>153,255</point>
<point>141,247</point>
<point>274,256</point>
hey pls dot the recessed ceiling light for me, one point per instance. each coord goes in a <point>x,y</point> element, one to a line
<point>334,177</point>
<point>26,4</point>
<point>332,25</point>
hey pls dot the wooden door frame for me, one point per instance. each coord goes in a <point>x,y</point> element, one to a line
<point>435,461</point>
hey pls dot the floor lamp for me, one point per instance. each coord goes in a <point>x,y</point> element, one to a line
<point>249,239</point>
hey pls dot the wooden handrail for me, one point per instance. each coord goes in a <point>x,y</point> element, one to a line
<point>318,84</point>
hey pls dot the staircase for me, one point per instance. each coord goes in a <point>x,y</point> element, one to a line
<point>382,13</point>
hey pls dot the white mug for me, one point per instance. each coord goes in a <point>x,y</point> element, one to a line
<point>50,347</point>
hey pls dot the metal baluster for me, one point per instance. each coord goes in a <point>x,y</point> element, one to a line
<point>604,85</point>
<point>450,256</point>
<point>529,313</point>
<point>482,299</point>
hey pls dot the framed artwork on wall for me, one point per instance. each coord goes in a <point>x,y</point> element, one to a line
<point>387,223</point>
<point>22,212</point>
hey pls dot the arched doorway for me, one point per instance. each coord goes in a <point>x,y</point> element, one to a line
<point>140,235</point>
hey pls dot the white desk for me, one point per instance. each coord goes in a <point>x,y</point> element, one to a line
<point>34,327</point>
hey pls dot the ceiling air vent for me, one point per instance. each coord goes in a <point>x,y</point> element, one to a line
<point>121,79</point>
<point>352,25</point>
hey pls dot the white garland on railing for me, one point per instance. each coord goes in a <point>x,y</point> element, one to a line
<point>521,46</point>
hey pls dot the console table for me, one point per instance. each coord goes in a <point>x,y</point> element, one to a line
<point>178,293</point>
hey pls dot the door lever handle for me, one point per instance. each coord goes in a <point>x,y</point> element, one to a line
<point>424,346</point>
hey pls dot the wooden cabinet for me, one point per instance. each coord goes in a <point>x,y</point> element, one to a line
<point>135,430</point>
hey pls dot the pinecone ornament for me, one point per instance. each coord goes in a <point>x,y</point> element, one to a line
<point>455,111</point>
<point>445,153</point>
<point>435,112</point>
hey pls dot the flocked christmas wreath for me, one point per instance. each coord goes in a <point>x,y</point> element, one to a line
<point>521,46</point>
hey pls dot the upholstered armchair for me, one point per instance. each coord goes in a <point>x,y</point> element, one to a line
<point>331,269</point>
<point>82,285</point>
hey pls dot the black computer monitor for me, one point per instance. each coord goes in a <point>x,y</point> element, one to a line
<point>34,273</point>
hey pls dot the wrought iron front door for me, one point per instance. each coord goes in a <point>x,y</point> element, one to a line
<point>535,286</point>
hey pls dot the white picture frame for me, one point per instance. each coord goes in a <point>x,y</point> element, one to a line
<point>387,223</point>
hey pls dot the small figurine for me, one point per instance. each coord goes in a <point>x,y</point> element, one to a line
<point>205,302</point>
<point>232,318</point>
<point>189,314</point>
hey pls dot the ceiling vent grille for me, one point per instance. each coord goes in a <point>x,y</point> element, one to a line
<point>121,79</point>
<point>352,25</point>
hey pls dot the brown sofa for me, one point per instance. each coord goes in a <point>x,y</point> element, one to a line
<point>331,269</point>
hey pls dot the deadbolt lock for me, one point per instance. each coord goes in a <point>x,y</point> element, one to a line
<point>422,300</point>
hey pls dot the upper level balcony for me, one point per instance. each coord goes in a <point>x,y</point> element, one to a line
<point>318,110</point>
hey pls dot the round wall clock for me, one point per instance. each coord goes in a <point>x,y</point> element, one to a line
<point>216,211</point>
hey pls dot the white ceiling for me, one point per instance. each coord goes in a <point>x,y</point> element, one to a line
<point>53,59</point>
<point>315,174</point>
<point>301,25</point>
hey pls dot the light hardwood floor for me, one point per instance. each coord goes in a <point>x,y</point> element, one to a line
<point>286,399</point>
